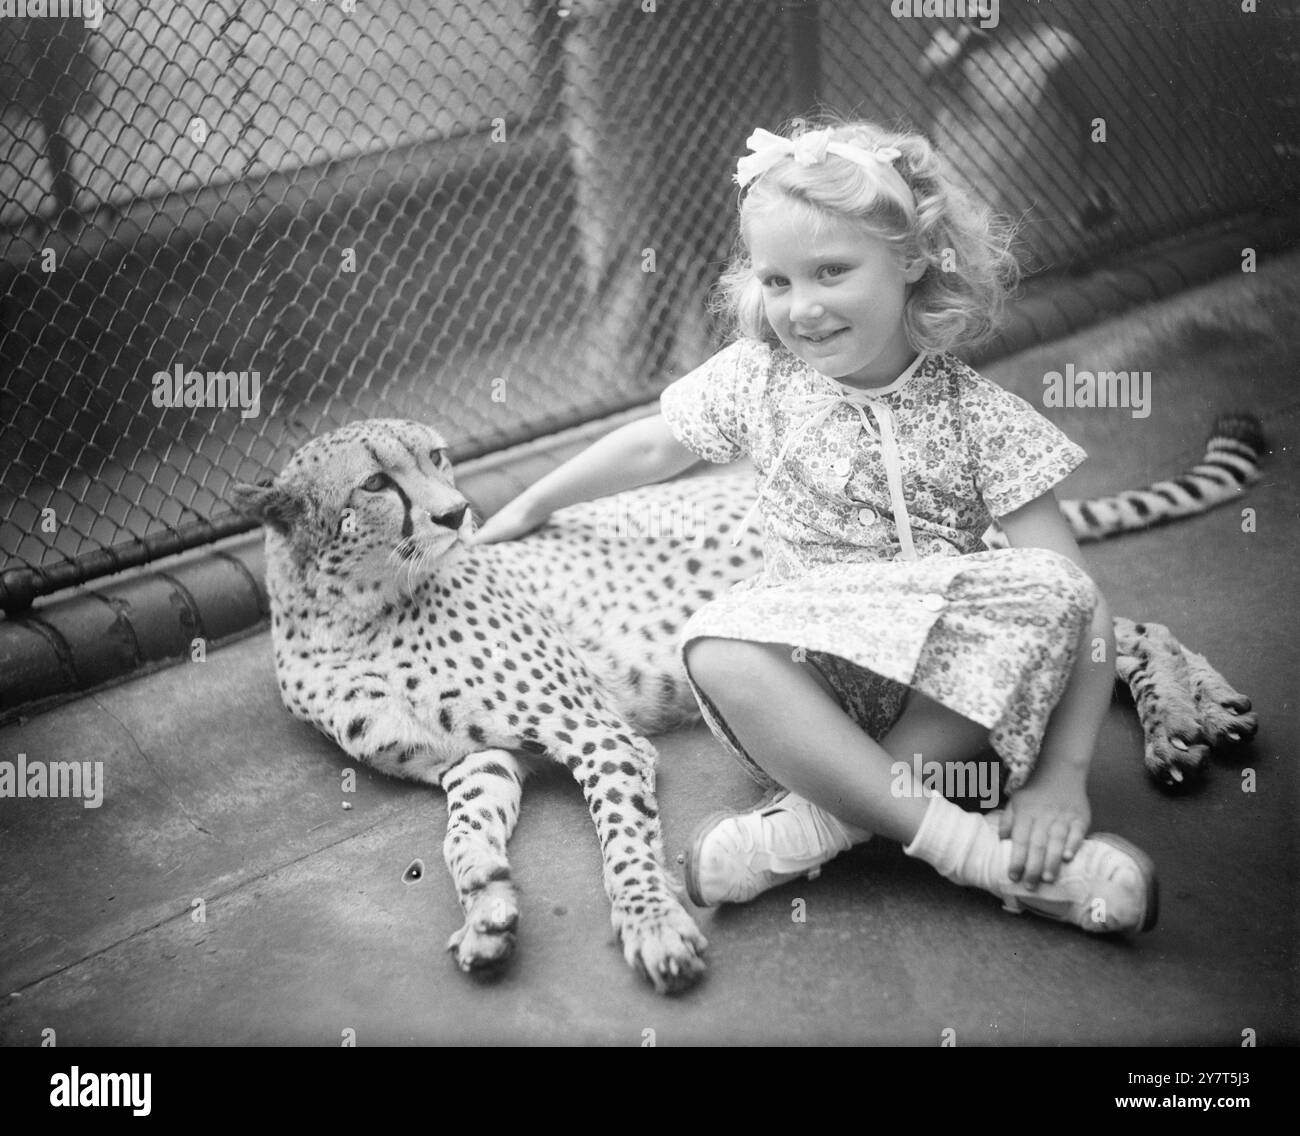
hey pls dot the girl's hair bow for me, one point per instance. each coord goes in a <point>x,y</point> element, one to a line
<point>807,150</point>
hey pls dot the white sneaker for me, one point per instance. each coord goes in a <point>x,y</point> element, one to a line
<point>736,856</point>
<point>1109,886</point>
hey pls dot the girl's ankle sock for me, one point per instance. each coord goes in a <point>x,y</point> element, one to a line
<point>1109,886</point>
<point>959,845</point>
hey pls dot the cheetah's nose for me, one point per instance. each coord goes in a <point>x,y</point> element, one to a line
<point>452,518</point>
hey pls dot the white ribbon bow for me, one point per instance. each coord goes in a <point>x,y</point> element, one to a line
<point>807,150</point>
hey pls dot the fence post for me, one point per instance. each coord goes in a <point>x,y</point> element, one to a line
<point>804,26</point>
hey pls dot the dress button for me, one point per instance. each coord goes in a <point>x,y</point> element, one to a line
<point>932,601</point>
<point>867,516</point>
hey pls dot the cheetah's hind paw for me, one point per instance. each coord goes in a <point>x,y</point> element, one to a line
<point>1186,707</point>
<point>1225,714</point>
<point>1150,662</point>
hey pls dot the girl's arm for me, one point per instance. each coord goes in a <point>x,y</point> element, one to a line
<point>636,454</point>
<point>1048,818</point>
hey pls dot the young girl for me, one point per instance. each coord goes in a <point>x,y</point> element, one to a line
<point>880,630</point>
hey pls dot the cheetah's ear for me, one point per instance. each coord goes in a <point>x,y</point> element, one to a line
<point>270,504</point>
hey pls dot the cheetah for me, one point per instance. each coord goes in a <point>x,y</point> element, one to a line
<point>463,666</point>
<point>458,666</point>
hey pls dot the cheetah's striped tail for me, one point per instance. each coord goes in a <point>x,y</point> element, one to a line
<point>1231,462</point>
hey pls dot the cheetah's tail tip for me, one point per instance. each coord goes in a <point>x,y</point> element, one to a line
<point>1241,427</point>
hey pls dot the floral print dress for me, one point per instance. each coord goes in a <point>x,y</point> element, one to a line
<point>989,634</point>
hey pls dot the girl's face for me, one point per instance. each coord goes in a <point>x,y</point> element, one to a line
<point>834,295</point>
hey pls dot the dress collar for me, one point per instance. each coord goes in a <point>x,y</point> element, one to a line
<point>878,392</point>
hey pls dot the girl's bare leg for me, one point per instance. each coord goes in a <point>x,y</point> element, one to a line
<point>792,727</point>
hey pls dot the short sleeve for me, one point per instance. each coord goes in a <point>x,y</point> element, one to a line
<point>706,409</point>
<point>1018,454</point>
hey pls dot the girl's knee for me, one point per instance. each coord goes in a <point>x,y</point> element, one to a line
<point>718,665</point>
<point>1070,589</point>
<point>1073,588</point>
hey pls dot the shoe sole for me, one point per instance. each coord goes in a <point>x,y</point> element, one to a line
<point>707,825</point>
<point>1147,870</point>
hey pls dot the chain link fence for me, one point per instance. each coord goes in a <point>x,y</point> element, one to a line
<point>1099,124</point>
<point>229,225</point>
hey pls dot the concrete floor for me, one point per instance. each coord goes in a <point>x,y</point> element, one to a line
<point>215,794</point>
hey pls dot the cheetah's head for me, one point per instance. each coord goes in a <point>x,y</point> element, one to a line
<point>371,504</point>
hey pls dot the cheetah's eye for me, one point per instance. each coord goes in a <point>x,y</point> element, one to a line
<point>440,459</point>
<point>377,482</point>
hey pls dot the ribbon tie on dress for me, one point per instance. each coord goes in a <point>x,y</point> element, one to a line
<point>820,407</point>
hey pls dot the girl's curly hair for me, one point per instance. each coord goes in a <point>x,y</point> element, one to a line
<point>970,267</point>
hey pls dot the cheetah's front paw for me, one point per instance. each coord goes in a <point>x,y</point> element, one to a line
<point>664,944</point>
<point>488,937</point>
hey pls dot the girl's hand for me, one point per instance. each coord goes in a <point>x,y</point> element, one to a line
<point>1046,822</point>
<point>513,521</point>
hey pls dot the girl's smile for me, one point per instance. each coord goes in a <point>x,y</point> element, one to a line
<point>834,294</point>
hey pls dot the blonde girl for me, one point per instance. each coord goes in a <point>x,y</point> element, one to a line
<point>880,634</point>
